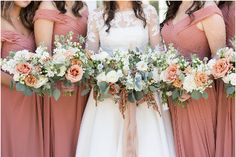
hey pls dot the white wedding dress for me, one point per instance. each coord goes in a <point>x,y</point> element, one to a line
<point>102,128</point>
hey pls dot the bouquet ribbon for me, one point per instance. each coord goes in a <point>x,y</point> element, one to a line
<point>130,137</point>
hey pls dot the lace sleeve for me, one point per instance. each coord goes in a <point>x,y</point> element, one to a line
<point>92,42</point>
<point>153,27</point>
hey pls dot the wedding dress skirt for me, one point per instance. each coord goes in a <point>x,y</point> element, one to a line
<point>102,128</point>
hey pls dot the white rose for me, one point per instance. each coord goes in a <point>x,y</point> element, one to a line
<point>41,81</point>
<point>211,63</point>
<point>189,83</point>
<point>101,77</point>
<point>142,66</point>
<point>226,79</point>
<point>112,76</point>
<point>232,78</point>
<point>9,66</point>
<point>22,55</point>
<point>59,59</point>
<point>100,56</point>
<point>62,71</point>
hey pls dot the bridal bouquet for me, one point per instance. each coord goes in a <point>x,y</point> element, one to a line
<point>28,71</point>
<point>126,76</point>
<point>223,67</point>
<point>182,79</point>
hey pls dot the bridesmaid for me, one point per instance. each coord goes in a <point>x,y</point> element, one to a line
<point>22,134</point>
<point>225,133</point>
<point>194,26</point>
<point>61,118</point>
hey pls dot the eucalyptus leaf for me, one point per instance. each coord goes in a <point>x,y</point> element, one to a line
<point>85,91</point>
<point>20,87</point>
<point>175,94</point>
<point>56,94</point>
<point>103,87</point>
<point>205,95</point>
<point>131,97</point>
<point>138,95</point>
<point>28,91</point>
<point>230,90</point>
<point>196,95</point>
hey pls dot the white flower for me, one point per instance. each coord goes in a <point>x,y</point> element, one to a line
<point>62,71</point>
<point>22,55</point>
<point>50,73</point>
<point>101,77</point>
<point>226,79</point>
<point>16,77</point>
<point>41,81</point>
<point>120,73</point>
<point>59,59</point>
<point>100,56</point>
<point>112,76</point>
<point>189,83</point>
<point>156,75</point>
<point>142,66</point>
<point>9,66</point>
<point>211,63</point>
<point>231,78</point>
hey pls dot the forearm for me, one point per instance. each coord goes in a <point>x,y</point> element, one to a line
<point>5,79</point>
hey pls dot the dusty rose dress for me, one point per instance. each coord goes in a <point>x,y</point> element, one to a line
<point>62,118</point>
<point>22,134</point>
<point>225,133</point>
<point>194,126</point>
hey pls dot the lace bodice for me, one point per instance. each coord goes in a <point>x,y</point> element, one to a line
<point>126,32</point>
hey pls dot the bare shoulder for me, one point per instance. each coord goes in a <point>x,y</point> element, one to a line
<point>47,5</point>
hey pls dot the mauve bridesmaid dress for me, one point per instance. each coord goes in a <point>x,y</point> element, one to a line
<point>225,133</point>
<point>62,118</point>
<point>194,126</point>
<point>22,134</point>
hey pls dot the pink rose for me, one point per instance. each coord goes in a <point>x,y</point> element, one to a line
<point>23,68</point>
<point>74,73</point>
<point>200,78</point>
<point>171,72</point>
<point>221,67</point>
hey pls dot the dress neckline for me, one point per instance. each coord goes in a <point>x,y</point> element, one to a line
<point>20,34</point>
<point>187,17</point>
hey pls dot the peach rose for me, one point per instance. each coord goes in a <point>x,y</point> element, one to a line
<point>171,72</point>
<point>23,68</point>
<point>30,80</point>
<point>75,61</point>
<point>177,83</point>
<point>221,67</point>
<point>200,79</point>
<point>74,73</point>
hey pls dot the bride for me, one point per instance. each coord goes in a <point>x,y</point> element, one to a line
<point>104,133</point>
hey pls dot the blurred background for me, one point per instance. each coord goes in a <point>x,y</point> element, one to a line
<point>159,5</point>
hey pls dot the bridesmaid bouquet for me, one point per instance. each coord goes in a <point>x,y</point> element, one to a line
<point>126,76</point>
<point>69,64</point>
<point>223,67</point>
<point>27,69</point>
<point>182,79</point>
